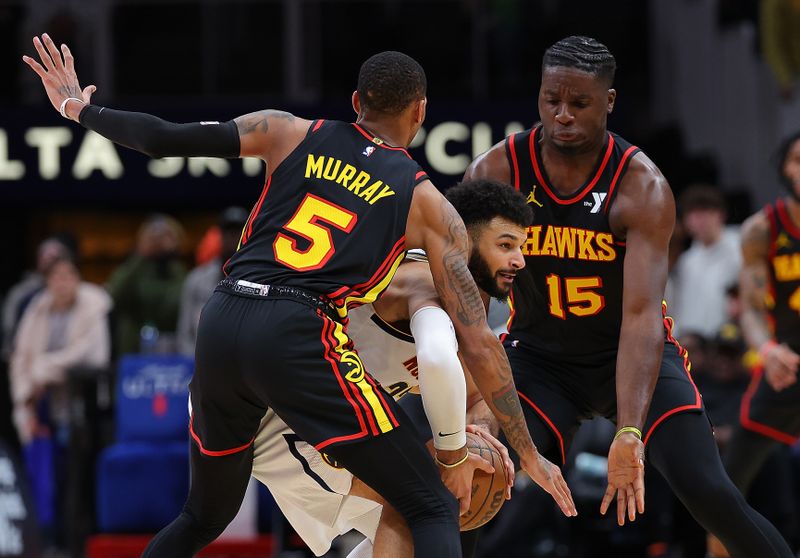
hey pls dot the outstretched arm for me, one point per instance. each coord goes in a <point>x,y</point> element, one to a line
<point>269,135</point>
<point>644,215</point>
<point>435,226</point>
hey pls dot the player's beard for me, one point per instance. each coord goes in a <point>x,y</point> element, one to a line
<point>484,277</point>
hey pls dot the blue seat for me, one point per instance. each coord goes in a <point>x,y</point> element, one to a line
<point>143,478</point>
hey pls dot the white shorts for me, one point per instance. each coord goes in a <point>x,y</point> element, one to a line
<point>310,492</point>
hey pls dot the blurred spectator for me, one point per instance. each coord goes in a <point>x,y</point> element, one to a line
<point>201,280</point>
<point>708,267</point>
<point>20,295</point>
<point>146,288</point>
<point>64,326</point>
<point>780,41</point>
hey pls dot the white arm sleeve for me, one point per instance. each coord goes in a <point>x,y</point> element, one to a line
<point>441,378</point>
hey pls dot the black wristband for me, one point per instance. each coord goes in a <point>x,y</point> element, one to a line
<point>158,138</point>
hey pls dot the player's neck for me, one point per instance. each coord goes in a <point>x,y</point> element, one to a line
<point>569,170</point>
<point>390,134</point>
<point>793,207</point>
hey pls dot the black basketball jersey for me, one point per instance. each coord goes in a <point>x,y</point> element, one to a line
<point>783,299</point>
<point>567,302</point>
<point>332,217</point>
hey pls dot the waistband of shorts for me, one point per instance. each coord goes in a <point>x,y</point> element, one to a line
<point>257,290</point>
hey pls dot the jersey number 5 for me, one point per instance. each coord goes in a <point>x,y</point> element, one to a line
<point>581,299</point>
<point>312,221</point>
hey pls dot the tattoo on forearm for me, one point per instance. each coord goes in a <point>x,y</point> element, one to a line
<point>459,280</point>
<point>259,121</point>
<point>506,401</point>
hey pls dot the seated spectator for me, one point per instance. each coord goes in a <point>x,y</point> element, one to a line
<point>201,280</point>
<point>65,326</point>
<point>146,288</point>
<point>712,263</point>
<point>20,295</point>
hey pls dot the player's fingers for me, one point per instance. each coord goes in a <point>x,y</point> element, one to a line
<point>35,66</point>
<point>631,496</point>
<point>639,492</point>
<point>568,495</point>
<point>481,463</point>
<point>607,498</point>
<point>53,50</point>
<point>46,60</point>
<point>620,507</point>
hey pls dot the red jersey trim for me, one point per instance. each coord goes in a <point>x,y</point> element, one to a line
<point>215,453</point>
<point>254,213</point>
<point>755,426</point>
<point>540,177</point>
<point>512,150</point>
<point>623,164</point>
<point>372,138</point>
<point>769,211</point>
<point>549,423</point>
<point>317,125</point>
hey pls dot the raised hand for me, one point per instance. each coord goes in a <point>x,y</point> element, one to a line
<point>548,476</point>
<point>57,72</point>
<point>625,477</point>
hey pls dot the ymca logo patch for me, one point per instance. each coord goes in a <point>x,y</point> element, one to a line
<point>597,204</point>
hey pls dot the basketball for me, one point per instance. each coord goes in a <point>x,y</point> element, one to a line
<point>488,490</point>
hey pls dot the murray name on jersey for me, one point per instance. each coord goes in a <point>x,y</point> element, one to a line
<point>358,182</point>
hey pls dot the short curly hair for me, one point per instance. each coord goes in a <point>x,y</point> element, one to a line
<point>390,81</point>
<point>481,200</point>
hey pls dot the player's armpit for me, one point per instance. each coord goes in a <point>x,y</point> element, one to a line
<point>270,134</point>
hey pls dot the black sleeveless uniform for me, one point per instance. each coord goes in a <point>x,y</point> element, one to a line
<point>327,232</point>
<point>765,411</point>
<point>566,305</point>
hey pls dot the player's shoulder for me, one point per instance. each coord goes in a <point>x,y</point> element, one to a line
<point>755,230</point>
<point>491,164</point>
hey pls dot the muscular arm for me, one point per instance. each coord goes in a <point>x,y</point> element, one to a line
<point>753,281</point>
<point>435,226</point>
<point>269,135</point>
<point>644,215</point>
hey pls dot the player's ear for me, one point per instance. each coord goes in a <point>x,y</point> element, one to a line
<point>422,107</point>
<point>356,103</point>
<point>612,96</point>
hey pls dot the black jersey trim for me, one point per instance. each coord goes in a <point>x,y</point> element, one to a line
<point>386,327</point>
<point>541,173</point>
<point>420,177</point>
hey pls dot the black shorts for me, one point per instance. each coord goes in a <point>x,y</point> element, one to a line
<point>563,395</point>
<point>280,353</point>
<point>775,414</point>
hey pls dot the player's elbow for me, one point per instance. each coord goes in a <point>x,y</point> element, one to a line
<point>154,142</point>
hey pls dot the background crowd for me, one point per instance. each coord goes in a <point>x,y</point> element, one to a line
<point>85,283</point>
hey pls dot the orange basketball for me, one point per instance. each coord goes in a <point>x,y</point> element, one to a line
<point>488,490</point>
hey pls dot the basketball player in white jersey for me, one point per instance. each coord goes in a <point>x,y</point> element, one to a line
<point>408,344</point>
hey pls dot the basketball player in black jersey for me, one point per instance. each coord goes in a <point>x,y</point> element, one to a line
<point>770,290</point>
<point>588,334</point>
<point>341,204</point>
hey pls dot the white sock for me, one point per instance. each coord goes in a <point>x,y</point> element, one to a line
<point>362,550</point>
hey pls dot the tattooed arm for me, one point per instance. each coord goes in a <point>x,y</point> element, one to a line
<point>268,135</point>
<point>780,362</point>
<point>435,226</point>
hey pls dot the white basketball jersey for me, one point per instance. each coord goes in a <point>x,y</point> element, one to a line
<point>388,354</point>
